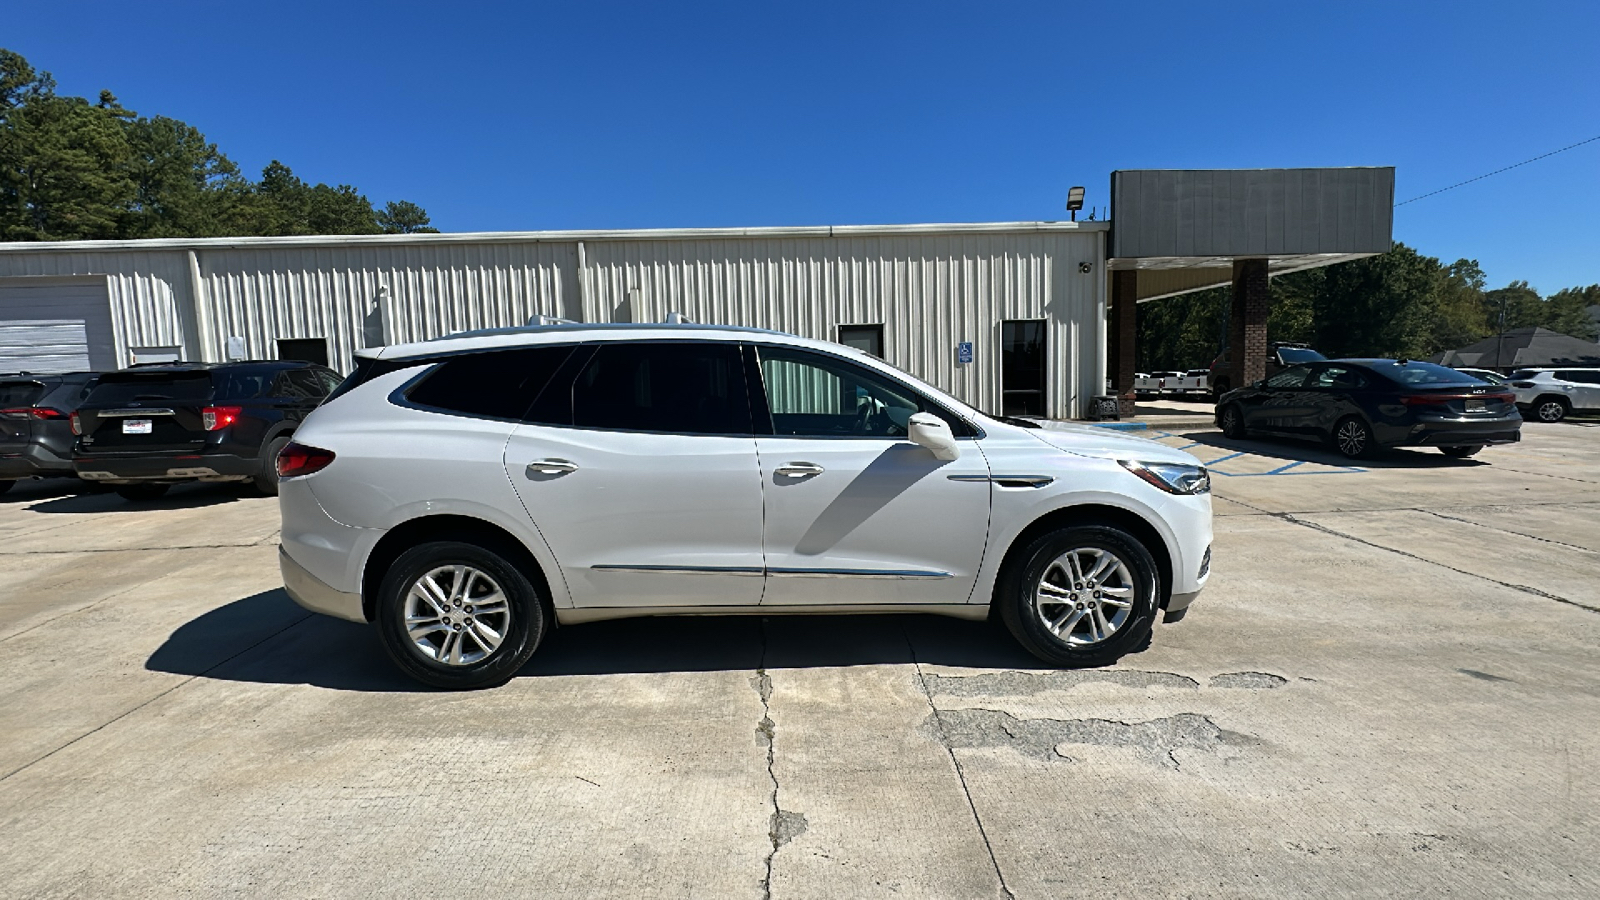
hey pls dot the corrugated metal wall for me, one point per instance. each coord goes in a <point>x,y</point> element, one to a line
<point>929,292</point>
<point>929,289</point>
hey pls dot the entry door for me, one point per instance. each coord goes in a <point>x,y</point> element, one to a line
<point>640,472</point>
<point>1022,368</point>
<point>855,513</point>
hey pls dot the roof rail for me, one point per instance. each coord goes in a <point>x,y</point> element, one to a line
<point>678,318</point>
<point>542,319</point>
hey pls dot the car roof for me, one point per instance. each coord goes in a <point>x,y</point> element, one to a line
<point>529,335</point>
<point>160,368</point>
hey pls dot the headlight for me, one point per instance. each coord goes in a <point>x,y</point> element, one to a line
<point>1174,478</point>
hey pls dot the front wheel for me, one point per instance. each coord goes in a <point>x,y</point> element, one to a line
<point>139,493</point>
<point>459,616</point>
<point>1232,421</point>
<point>1082,596</point>
<point>1352,437</point>
<point>1460,452</point>
<point>1551,409</point>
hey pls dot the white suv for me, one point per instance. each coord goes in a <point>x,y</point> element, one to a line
<point>1553,394</point>
<point>467,495</point>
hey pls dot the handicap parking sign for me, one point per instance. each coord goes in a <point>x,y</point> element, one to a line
<point>964,352</point>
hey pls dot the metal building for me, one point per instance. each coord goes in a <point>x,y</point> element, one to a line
<point>1007,316</point>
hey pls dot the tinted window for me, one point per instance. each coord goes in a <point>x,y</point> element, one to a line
<point>328,378</point>
<point>246,384</point>
<point>1292,355</point>
<point>677,388</point>
<point>170,387</point>
<point>1288,379</point>
<point>1338,378</point>
<point>1579,376</point>
<point>19,393</point>
<point>498,385</point>
<point>1420,373</point>
<point>816,395</point>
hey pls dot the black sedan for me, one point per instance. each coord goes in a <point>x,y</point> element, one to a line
<point>1363,405</point>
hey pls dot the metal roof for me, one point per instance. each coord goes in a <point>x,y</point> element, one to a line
<point>512,237</point>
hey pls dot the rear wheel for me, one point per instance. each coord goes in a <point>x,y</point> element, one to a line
<point>459,616</point>
<point>1461,452</point>
<point>1220,388</point>
<point>1232,421</point>
<point>1352,437</point>
<point>1082,596</point>
<point>266,480</point>
<point>1551,409</point>
<point>141,492</point>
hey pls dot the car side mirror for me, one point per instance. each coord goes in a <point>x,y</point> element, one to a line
<point>1258,384</point>
<point>928,430</point>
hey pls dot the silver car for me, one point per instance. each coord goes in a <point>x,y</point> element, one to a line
<point>1553,394</point>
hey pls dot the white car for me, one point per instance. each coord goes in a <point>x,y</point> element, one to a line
<point>1553,394</point>
<point>468,495</point>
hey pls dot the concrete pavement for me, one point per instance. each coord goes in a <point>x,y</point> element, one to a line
<point>1390,688</point>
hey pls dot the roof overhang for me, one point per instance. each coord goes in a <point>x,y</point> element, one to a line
<point>1169,276</point>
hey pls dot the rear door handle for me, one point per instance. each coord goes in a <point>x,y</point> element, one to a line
<point>798,470</point>
<point>550,467</point>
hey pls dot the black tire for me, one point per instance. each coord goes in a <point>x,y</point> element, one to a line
<point>1353,438</point>
<point>1231,419</point>
<point>139,493</point>
<point>1024,617</point>
<point>1460,452</point>
<point>266,480</point>
<point>1551,409</point>
<point>6,486</point>
<point>520,636</point>
<point>1218,389</point>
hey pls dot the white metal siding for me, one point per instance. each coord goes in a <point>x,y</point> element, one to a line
<point>55,325</point>
<point>142,288</point>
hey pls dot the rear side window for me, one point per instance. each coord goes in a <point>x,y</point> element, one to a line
<point>20,393</point>
<point>247,384</point>
<point>1421,373</point>
<point>681,387</point>
<point>1580,376</point>
<point>155,387</point>
<point>497,385</point>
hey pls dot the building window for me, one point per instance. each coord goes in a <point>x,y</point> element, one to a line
<point>868,338</point>
<point>311,350</point>
<point>1022,368</point>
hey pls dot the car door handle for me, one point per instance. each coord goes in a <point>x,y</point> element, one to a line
<point>798,470</point>
<point>550,467</point>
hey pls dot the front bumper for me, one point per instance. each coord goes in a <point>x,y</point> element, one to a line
<point>314,594</point>
<point>161,467</point>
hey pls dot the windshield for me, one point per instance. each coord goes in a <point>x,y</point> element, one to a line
<point>164,387</point>
<point>1420,373</point>
<point>1292,355</point>
<point>19,393</point>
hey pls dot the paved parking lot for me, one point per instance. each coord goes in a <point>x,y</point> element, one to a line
<point>1391,687</point>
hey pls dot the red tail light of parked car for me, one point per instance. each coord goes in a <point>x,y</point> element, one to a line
<point>299,459</point>
<point>216,418</point>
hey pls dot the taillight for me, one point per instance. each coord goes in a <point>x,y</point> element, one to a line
<point>1422,400</point>
<point>77,428</point>
<point>1503,398</point>
<point>36,412</point>
<point>215,418</point>
<point>299,459</point>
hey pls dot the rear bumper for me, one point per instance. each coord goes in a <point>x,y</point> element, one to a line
<point>32,460</point>
<point>316,595</point>
<point>160,467</point>
<point>1438,432</point>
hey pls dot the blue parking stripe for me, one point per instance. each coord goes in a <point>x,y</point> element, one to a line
<point>1287,467</point>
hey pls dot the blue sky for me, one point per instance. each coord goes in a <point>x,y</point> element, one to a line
<point>616,115</point>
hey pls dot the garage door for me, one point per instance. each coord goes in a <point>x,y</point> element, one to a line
<point>55,325</point>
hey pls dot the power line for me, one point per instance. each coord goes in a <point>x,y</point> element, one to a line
<point>1498,171</point>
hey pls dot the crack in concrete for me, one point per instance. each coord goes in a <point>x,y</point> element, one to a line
<point>1534,537</point>
<point>1155,741</point>
<point>1022,684</point>
<point>961,775</point>
<point>784,826</point>
<point>1249,681</point>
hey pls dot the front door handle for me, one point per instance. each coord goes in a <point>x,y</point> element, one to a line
<point>798,470</point>
<point>549,467</point>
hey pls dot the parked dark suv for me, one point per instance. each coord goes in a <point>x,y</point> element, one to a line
<point>145,429</point>
<point>35,429</point>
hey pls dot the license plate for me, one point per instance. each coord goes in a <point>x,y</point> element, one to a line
<point>1475,406</point>
<point>135,426</point>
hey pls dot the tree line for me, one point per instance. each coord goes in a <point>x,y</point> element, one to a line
<point>1397,304</point>
<point>72,169</point>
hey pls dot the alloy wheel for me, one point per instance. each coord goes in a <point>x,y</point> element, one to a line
<point>1085,596</point>
<point>1551,411</point>
<point>456,615</point>
<point>1352,438</point>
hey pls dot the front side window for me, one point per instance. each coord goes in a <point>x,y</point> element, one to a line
<point>815,395</point>
<point>1288,379</point>
<point>501,384</point>
<point>673,387</point>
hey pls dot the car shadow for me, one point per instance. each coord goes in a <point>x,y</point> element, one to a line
<point>102,499</point>
<point>1291,450</point>
<point>266,638</point>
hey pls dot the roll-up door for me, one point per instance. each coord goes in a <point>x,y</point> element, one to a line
<point>55,325</point>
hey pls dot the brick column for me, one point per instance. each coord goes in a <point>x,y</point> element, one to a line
<point>1123,335</point>
<point>1247,323</point>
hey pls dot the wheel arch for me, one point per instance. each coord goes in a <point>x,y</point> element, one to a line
<point>449,527</point>
<point>1093,514</point>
